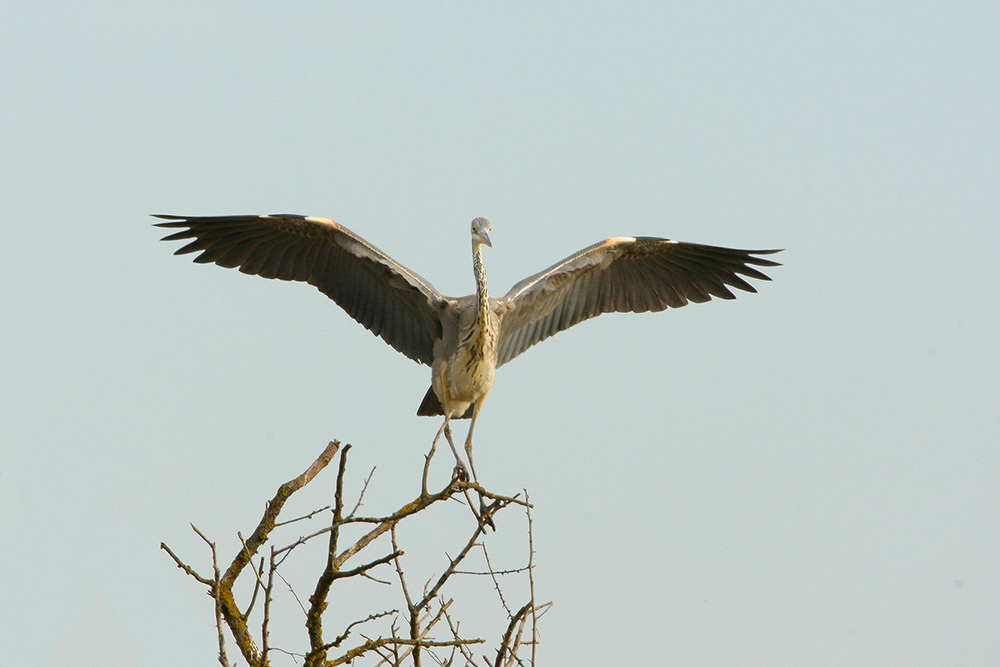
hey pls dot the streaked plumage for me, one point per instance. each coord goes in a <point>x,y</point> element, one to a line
<point>464,339</point>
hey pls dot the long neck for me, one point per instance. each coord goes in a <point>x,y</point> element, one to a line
<point>482,295</point>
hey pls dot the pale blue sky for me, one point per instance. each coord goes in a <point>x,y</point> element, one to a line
<point>809,475</point>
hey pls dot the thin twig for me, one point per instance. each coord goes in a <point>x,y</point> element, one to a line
<point>302,540</point>
<point>187,568</point>
<point>292,591</point>
<point>531,578</point>
<point>361,496</point>
<point>496,582</point>
<point>291,654</point>
<point>369,577</point>
<point>223,659</point>
<point>347,631</point>
<point>399,571</point>
<point>264,626</point>
<point>304,517</point>
<point>474,573</point>
<point>258,574</point>
<point>466,653</point>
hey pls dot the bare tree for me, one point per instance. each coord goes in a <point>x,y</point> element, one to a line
<point>424,626</point>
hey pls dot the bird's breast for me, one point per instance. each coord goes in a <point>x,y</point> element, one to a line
<point>469,371</point>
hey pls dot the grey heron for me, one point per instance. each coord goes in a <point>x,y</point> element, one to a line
<point>464,340</point>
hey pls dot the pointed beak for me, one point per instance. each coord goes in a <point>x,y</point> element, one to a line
<point>485,238</point>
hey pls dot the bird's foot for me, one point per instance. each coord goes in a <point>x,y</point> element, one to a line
<point>459,474</point>
<point>486,513</point>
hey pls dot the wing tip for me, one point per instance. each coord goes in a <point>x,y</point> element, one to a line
<point>172,220</point>
<point>766,262</point>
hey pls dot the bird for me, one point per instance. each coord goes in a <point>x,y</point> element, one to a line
<point>464,340</point>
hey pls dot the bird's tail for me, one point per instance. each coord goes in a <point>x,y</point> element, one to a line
<point>431,407</point>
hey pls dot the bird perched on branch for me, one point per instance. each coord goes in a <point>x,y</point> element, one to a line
<point>464,340</point>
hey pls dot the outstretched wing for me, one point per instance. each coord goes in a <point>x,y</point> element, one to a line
<point>625,275</point>
<point>387,298</point>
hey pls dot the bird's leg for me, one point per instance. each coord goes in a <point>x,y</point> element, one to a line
<point>468,445</point>
<point>485,512</point>
<point>459,464</point>
<point>430,455</point>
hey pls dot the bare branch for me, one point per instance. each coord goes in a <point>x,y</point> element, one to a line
<point>264,625</point>
<point>399,571</point>
<point>223,659</point>
<point>347,631</point>
<point>267,522</point>
<point>235,619</point>
<point>291,654</point>
<point>507,648</point>
<point>187,568</point>
<point>317,601</point>
<point>506,500</point>
<point>304,517</point>
<point>425,500</point>
<point>451,568</point>
<point>491,573</point>
<point>383,524</point>
<point>363,569</point>
<point>302,540</point>
<point>369,577</point>
<point>373,644</point>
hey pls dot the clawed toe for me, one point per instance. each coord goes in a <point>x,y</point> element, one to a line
<point>486,513</point>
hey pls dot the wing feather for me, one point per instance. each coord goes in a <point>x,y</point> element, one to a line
<point>621,275</point>
<point>384,296</point>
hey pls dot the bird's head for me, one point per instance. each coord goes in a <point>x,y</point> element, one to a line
<point>481,231</point>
